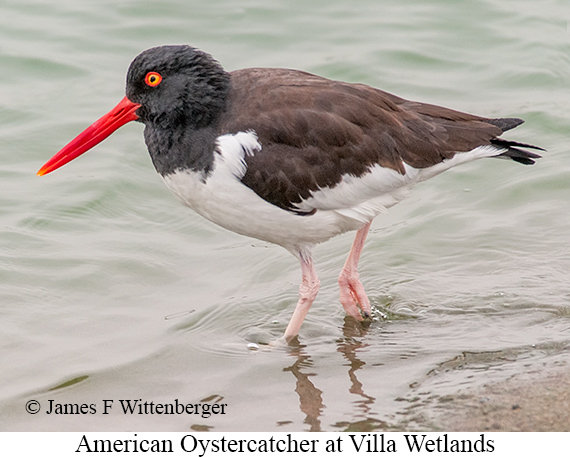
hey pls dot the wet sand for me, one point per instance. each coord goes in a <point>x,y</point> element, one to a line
<point>535,402</point>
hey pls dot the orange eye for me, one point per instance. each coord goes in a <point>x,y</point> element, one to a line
<point>152,79</point>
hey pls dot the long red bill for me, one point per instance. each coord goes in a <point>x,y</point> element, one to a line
<point>121,114</point>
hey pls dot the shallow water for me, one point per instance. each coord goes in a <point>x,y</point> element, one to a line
<point>112,290</point>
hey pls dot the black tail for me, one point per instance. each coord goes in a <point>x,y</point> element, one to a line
<point>513,148</point>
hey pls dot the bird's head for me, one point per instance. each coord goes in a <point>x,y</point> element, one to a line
<point>177,84</point>
<point>168,87</point>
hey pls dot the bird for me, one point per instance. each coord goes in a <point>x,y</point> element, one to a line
<point>289,157</point>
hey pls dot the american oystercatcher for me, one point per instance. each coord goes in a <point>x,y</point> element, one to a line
<point>289,157</point>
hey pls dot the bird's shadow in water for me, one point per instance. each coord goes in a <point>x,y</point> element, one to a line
<point>310,396</point>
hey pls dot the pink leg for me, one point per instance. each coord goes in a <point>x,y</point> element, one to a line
<point>352,293</point>
<point>307,294</point>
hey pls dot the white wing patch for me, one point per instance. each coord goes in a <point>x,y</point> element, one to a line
<point>233,149</point>
<point>364,197</point>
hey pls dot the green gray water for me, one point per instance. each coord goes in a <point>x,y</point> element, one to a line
<point>109,289</point>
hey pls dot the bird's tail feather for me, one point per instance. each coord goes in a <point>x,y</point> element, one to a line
<point>513,151</point>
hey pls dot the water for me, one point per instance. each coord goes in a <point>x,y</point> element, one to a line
<point>112,290</point>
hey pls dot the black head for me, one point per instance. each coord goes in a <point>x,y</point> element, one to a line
<point>177,86</point>
<point>178,92</point>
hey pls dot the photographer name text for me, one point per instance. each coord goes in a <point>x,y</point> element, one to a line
<point>130,407</point>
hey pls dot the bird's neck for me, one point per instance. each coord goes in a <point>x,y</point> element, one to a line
<point>181,148</point>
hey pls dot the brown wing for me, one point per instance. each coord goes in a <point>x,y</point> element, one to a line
<point>314,130</point>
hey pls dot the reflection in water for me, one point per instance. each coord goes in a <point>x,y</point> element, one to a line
<point>310,397</point>
<point>347,346</point>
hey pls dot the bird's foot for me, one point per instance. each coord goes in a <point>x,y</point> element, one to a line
<point>284,341</point>
<point>353,297</point>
